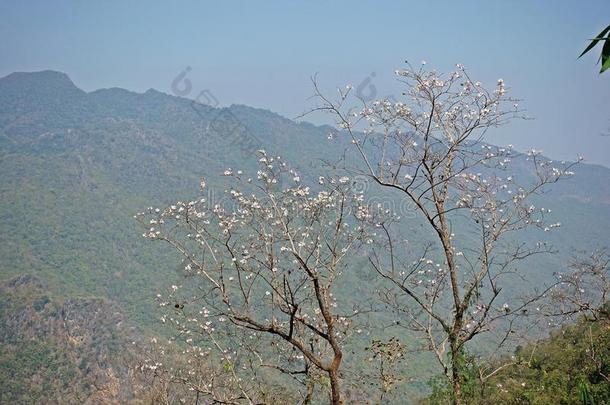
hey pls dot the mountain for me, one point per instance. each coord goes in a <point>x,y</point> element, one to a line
<point>77,166</point>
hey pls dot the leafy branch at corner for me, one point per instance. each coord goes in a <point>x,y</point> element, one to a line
<point>605,55</point>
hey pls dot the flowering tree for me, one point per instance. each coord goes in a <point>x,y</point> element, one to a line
<point>261,270</point>
<point>585,290</point>
<point>430,150</point>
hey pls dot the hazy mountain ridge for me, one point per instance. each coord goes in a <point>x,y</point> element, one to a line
<point>50,101</point>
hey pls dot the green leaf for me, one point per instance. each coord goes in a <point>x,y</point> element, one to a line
<point>605,56</point>
<point>605,66</point>
<point>594,41</point>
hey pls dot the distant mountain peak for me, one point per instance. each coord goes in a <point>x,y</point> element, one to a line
<point>154,91</point>
<point>44,77</point>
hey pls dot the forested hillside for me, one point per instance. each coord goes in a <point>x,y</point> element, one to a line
<point>71,350</point>
<point>76,167</point>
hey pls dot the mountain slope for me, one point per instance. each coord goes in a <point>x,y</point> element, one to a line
<point>70,351</point>
<point>77,166</point>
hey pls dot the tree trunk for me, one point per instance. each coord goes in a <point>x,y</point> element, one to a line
<point>456,366</point>
<point>335,388</point>
<point>457,385</point>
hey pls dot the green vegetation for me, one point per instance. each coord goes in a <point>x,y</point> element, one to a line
<point>604,57</point>
<point>572,366</point>
<point>61,350</point>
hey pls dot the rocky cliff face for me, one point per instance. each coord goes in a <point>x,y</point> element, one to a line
<point>79,350</point>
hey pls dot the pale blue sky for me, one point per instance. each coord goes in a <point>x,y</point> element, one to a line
<point>263,53</point>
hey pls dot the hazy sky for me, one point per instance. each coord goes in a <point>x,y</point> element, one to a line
<point>263,53</point>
